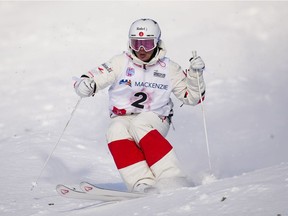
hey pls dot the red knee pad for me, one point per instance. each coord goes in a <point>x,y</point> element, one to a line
<point>125,153</point>
<point>154,147</point>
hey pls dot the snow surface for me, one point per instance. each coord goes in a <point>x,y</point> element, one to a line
<point>244,44</point>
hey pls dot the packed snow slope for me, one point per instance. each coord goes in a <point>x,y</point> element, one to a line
<point>244,45</point>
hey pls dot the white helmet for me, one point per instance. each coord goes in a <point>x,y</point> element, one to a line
<point>144,33</point>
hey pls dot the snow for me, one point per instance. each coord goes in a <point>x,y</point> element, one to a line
<point>244,44</point>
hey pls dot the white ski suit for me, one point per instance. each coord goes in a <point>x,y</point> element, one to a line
<point>141,110</point>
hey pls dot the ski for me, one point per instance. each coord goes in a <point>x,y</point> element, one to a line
<point>93,189</point>
<point>111,195</point>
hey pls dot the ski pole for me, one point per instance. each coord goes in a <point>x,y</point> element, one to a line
<point>194,55</point>
<point>34,184</point>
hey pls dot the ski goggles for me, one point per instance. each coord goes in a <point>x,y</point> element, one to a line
<point>147,44</point>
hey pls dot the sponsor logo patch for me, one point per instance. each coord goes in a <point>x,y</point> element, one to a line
<point>151,85</point>
<point>109,69</point>
<point>130,71</point>
<point>157,74</point>
<point>117,111</point>
<point>125,82</point>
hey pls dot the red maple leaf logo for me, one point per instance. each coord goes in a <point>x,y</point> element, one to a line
<point>64,191</point>
<point>87,188</point>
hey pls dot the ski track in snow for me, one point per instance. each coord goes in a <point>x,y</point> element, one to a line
<point>244,45</point>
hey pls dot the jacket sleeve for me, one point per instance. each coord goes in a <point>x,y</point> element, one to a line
<point>105,74</point>
<point>185,85</point>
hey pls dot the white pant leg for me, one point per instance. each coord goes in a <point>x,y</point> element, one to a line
<point>128,158</point>
<point>119,128</point>
<point>142,129</point>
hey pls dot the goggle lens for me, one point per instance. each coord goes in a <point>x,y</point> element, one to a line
<point>147,44</point>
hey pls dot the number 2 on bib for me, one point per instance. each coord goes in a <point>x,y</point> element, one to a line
<point>142,98</point>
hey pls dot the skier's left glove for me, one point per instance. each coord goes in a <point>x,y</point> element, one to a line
<point>197,64</point>
<point>85,86</point>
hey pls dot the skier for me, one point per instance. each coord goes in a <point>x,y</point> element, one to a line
<point>140,82</point>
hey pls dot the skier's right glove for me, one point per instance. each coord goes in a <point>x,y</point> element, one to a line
<point>85,86</point>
